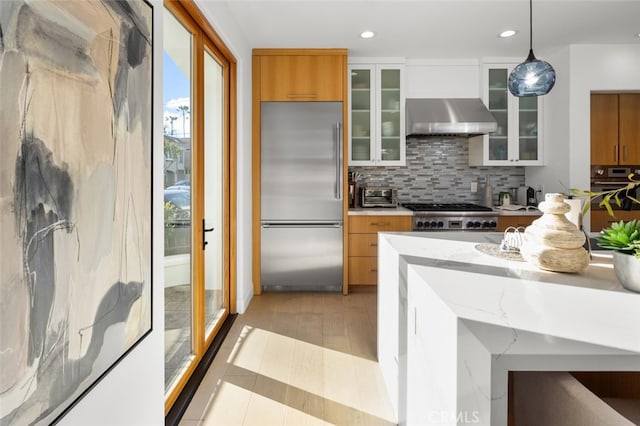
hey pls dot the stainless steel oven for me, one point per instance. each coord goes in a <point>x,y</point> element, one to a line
<point>452,217</point>
<point>378,196</point>
<point>606,178</point>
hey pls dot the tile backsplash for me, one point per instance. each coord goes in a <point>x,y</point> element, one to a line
<point>438,170</point>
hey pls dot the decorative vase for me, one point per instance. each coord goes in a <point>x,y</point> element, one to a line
<point>627,268</point>
<point>552,242</point>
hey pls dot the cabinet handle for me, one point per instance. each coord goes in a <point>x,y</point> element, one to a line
<point>374,244</point>
<point>373,270</point>
<point>615,153</point>
<point>379,223</point>
<point>624,153</point>
<point>302,95</point>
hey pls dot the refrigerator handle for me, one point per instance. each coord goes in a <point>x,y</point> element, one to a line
<point>339,161</point>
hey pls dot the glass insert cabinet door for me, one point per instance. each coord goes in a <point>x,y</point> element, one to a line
<point>528,128</point>
<point>390,127</point>
<point>498,105</point>
<point>362,114</point>
<point>519,124</point>
<point>376,114</point>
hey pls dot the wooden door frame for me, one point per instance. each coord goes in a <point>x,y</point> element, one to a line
<point>205,37</point>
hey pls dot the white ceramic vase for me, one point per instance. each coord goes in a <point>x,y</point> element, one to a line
<point>627,268</point>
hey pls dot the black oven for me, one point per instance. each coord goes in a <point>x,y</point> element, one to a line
<point>604,178</point>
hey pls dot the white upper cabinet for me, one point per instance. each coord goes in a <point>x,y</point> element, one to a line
<point>376,115</point>
<point>518,140</point>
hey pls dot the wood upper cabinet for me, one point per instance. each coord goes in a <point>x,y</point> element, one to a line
<point>615,129</point>
<point>301,74</point>
<point>629,130</point>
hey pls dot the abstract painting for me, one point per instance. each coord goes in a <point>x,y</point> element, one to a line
<point>75,198</point>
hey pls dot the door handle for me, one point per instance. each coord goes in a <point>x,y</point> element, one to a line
<point>205,229</point>
<point>338,161</point>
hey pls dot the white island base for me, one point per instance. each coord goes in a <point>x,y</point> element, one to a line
<point>452,322</point>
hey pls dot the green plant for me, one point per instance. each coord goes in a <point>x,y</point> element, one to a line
<point>621,236</point>
<point>607,196</point>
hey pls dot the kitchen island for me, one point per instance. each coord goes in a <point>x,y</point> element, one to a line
<point>453,321</point>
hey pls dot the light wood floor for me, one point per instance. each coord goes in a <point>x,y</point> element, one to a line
<point>297,359</point>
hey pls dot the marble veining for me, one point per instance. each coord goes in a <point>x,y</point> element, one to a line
<point>508,316</point>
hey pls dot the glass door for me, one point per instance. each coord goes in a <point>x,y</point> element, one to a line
<point>214,238</point>
<point>198,74</point>
<point>178,289</point>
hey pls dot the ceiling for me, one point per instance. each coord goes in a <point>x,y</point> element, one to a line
<point>435,29</point>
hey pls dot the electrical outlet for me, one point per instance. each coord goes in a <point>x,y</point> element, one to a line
<point>474,186</point>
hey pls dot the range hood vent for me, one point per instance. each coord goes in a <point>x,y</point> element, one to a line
<point>448,117</point>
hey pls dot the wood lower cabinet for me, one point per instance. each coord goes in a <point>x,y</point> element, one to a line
<point>363,245</point>
<point>301,74</point>
<point>521,220</point>
<point>600,219</point>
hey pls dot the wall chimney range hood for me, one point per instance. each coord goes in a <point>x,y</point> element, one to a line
<point>448,117</point>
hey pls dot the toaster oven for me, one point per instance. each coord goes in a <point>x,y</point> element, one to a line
<point>378,196</point>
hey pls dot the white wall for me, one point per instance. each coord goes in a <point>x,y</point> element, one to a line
<point>133,392</point>
<point>554,176</point>
<point>442,78</point>
<point>585,69</point>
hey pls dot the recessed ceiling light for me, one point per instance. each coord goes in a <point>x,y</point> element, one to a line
<point>367,34</point>
<point>507,33</point>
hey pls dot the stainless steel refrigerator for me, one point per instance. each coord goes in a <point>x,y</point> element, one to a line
<point>301,196</point>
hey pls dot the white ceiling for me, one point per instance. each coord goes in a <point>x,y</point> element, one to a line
<point>440,29</point>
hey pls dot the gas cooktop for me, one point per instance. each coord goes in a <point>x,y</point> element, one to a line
<point>452,217</point>
<point>446,207</point>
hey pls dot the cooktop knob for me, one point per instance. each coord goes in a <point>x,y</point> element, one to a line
<point>419,224</point>
<point>485,224</point>
<point>469,224</point>
<point>440,224</point>
<point>434,223</point>
<point>493,224</point>
<point>476,224</point>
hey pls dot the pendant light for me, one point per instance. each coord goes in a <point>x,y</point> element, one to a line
<point>533,77</point>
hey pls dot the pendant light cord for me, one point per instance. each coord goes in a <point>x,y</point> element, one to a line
<point>530,24</point>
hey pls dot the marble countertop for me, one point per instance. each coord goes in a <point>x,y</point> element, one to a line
<point>380,211</point>
<point>458,249</point>
<point>509,315</point>
<point>530,212</point>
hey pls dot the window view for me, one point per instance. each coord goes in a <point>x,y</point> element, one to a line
<point>177,60</point>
